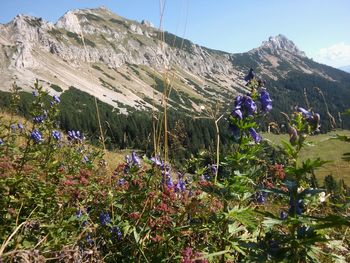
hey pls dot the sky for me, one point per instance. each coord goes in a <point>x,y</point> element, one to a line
<point>318,27</point>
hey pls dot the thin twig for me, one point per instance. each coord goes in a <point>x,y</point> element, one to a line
<point>3,246</point>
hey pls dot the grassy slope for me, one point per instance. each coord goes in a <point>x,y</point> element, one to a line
<point>113,158</point>
<point>327,149</point>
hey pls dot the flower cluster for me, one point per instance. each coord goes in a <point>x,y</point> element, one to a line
<point>167,178</point>
<point>75,136</point>
<point>134,160</point>
<point>156,161</point>
<point>56,135</point>
<point>180,185</point>
<point>245,108</point>
<point>39,119</point>
<point>116,232</point>
<point>36,136</point>
<point>105,218</point>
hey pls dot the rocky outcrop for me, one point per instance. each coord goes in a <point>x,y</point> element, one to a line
<point>280,43</point>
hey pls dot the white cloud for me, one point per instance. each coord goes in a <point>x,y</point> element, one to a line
<point>337,55</point>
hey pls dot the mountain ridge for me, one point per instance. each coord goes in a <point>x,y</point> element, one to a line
<point>345,68</point>
<point>125,63</point>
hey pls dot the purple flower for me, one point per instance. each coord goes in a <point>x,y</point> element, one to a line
<point>155,160</point>
<point>86,159</point>
<point>38,119</point>
<point>20,126</point>
<point>266,102</point>
<point>89,240</point>
<point>105,218</point>
<point>170,183</point>
<point>180,185</point>
<point>56,135</point>
<point>1,142</point>
<point>296,207</point>
<point>260,198</point>
<point>169,180</point>
<point>205,177</point>
<point>238,101</point>
<point>167,177</point>
<point>250,75</point>
<point>127,159</point>
<point>314,121</point>
<point>79,213</point>
<point>135,159</point>
<point>75,135</point>
<point>56,99</point>
<point>214,168</point>
<point>121,182</point>
<point>35,93</point>
<point>301,232</point>
<point>13,128</point>
<point>256,136</point>
<point>250,106</point>
<point>237,113</point>
<point>36,136</point>
<point>283,215</point>
<point>305,113</point>
<point>115,230</point>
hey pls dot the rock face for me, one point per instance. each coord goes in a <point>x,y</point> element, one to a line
<point>279,43</point>
<point>123,62</point>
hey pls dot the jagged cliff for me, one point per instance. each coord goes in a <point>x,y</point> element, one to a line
<point>124,63</point>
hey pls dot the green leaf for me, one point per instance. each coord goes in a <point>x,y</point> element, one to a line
<point>215,254</point>
<point>289,149</point>
<point>27,244</point>
<point>271,222</point>
<point>136,235</point>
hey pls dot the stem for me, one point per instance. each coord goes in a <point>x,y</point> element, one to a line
<point>217,148</point>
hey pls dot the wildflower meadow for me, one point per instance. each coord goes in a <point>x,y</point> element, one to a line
<point>61,202</point>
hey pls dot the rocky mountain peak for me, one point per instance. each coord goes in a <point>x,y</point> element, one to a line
<point>281,42</point>
<point>69,21</point>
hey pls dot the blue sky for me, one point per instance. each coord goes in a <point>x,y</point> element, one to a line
<point>318,27</point>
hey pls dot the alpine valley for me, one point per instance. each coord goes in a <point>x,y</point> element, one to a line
<point>127,65</point>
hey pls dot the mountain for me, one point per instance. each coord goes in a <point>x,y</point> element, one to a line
<point>124,63</point>
<point>345,68</point>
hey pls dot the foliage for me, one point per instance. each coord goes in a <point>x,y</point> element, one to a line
<point>259,203</point>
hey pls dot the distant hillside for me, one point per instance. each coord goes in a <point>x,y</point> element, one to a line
<point>124,64</point>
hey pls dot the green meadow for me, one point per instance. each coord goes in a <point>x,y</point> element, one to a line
<point>327,148</point>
